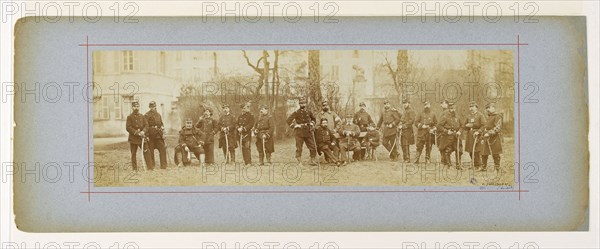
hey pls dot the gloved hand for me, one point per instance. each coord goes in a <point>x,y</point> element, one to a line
<point>486,134</point>
<point>458,133</point>
<point>449,132</point>
<point>476,133</point>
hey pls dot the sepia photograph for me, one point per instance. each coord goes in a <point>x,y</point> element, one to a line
<point>303,118</point>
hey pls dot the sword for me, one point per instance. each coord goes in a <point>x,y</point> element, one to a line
<point>312,133</point>
<point>263,146</point>
<point>241,144</point>
<point>473,153</point>
<point>143,155</point>
<point>457,150</point>
<point>226,145</point>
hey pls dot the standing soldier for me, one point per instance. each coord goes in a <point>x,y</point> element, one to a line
<point>362,119</point>
<point>388,121</point>
<point>426,122</point>
<point>264,135</point>
<point>303,123</point>
<point>492,137</point>
<point>227,139</point>
<point>326,142</point>
<point>137,126</point>
<point>245,123</point>
<point>156,135</point>
<point>190,141</point>
<point>449,128</point>
<point>473,124</point>
<point>406,128</point>
<point>349,133</point>
<point>208,126</point>
<point>439,137</point>
<point>331,116</point>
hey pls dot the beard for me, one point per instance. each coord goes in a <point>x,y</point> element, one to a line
<point>302,107</point>
<point>325,109</point>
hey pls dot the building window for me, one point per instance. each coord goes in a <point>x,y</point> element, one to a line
<point>118,107</point>
<point>162,62</point>
<point>101,108</point>
<point>129,60</point>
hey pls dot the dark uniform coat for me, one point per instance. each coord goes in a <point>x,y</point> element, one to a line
<point>324,137</point>
<point>229,122</point>
<point>425,118</point>
<point>246,121</point>
<point>389,116</point>
<point>305,119</point>
<point>355,132</point>
<point>209,127</point>
<point>448,122</point>
<point>407,120</point>
<point>477,120</point>
<point>493,126</point>
<point>192,137</point>
<point>265,126</point>
<point>372,139</point>
<point>155,124</point>
<point>136,123</point>
<point>362,119</point>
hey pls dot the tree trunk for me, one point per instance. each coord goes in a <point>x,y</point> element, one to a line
<point>314,78</point>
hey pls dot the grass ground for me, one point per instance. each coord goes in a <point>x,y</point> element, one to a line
<point>112,169</point>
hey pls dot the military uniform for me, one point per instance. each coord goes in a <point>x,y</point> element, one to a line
<point>388,122</point>
<point>135,124</point>
<point>303,122</point>
<point>264,127</point>
<point>348,142</point>
<point>426,122</point>
<point>448,142</point>
<point>246,122</point>
<point>331,117</point>
<point>493,127</point>
<point>227,124</point>
<point>326,143</point>
<point>156,136</point>
<point>209,127</point>
<point>371,141</point>
<point>438,134</point>
<point>408,137</point>
<point>191,140</point>
<point>362,119</point>
<point>472,124</point>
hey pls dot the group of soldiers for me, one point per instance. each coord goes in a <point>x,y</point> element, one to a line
<point>327,134</point>
<point>147,132</point>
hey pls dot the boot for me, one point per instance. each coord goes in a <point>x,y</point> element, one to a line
<point>261,160</point>
<point>313,161</point>
<point>269,158</point>
<point>299,161</point>
<point>232,157</point>
<point>418,157</point>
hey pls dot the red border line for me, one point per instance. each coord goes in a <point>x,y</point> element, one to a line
<point>303,192</point>
<point>519,108</point>
<point>291,44</point>
<point>518,44</point>
<point>87,79</point>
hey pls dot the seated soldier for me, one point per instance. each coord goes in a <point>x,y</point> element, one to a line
<point>326,142</point>
<point>349,132</point>
<point>371,140</point>
<point>191,140</point>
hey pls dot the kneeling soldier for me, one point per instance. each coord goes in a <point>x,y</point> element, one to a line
<point>264,133</point>
<point>191,140</point>
<point>326,142</point>
<point>349,132</point>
